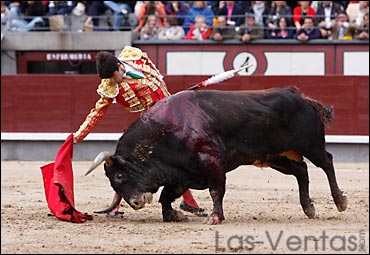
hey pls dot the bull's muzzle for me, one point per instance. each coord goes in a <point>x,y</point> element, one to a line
<point>140,201</point>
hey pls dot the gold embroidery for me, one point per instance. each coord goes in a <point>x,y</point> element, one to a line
<point>152,86</point>
<point>139,108</point>
<point>108,88</point>
<point>164,89</point>
<point>133,102</point>
<point>147,66</point>
<point>130,53</point>
<point>128,95</point>
<point>148,101</point>
<point>125,86</point>
<point>141,82</point>
<point>91,120</point>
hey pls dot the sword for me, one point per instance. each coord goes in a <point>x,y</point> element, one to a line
<point>219,77</point>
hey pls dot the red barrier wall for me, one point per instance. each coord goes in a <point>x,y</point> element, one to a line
<point>59,103</point>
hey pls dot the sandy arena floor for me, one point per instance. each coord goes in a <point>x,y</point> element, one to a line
<point>262,212</point>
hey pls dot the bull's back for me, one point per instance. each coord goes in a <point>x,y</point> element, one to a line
<point>212,108</point>
<point>239,119</point>
<point>217,103</point>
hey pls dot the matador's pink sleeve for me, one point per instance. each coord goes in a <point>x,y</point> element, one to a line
<point>92,119</point>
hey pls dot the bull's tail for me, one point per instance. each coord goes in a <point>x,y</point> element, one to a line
<point>325,112</point>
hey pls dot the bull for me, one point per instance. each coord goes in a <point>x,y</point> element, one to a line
<point>193,138</point>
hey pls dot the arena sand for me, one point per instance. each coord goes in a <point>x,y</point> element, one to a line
<point>261,207</point>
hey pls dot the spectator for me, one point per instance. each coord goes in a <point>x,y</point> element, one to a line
<point>260,11</point>
<point>244,5</point>
<point>308,31</point>
<point>315,5</point>
<point>147,8</point>
<point>150,30</point>
<point>300,12</point>
<point>121,11</point>
<point>250,30</point>
<point>342,29</point>
<point>362,31</point>
<point>32,8</point>
<point>198,8</point>
<point>268,4</point>
<point>20,25</point>
<point>356,11</point>
<point>283,31</point>
<point>292,4</point>
<point>14,8</point>
<point>32,12</point>
<point>94,9</point>
<point>5,17</point>
<point>344,4</point>
<point>223,31</point>
<point>177,9</point>
<point>171,30</point>
<point>78,17</point>
<point>88,24</point>
<point>232,10</point>
<point>60,7</point>
<point>327,11</point>
<point>200,30</point>
<point>278,9</point>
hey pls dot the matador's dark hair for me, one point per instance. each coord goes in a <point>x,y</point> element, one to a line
<point>106,64</point>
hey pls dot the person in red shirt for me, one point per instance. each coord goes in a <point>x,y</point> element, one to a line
<point>200,30</point>
<point>132,80</point>
<point>300,12</point>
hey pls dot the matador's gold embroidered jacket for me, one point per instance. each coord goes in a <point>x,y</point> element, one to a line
<point>136,95</point>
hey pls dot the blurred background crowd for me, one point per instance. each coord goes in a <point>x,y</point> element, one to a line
<point>195,20</point>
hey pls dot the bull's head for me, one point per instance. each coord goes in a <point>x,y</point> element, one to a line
<point>125,178</point>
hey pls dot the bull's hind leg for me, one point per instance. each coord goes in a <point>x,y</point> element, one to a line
<point>168,195</point>
<point>299,170</point>
<point>325,161</point>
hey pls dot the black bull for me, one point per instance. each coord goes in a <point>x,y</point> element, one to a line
<point>193,138</point>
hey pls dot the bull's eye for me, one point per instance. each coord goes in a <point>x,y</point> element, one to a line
<point>119,177</point>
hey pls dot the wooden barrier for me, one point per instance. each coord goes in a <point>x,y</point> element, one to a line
<point>60,103</point>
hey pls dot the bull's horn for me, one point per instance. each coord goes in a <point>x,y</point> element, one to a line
<point>102,156</point>
<point>116,201</point>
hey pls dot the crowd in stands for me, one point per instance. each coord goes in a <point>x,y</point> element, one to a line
<point>195,20</point>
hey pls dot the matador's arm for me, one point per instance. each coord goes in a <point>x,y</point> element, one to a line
<point>95,115</point>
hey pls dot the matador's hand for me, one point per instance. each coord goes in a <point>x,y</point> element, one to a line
<point>74,139</point>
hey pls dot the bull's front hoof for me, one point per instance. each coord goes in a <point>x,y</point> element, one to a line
<point>173,216</point>
<point>310,212</point>
<point>215,220</point>
<point>342,204</point>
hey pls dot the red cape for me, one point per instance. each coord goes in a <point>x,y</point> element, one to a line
<point>58,185</point>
